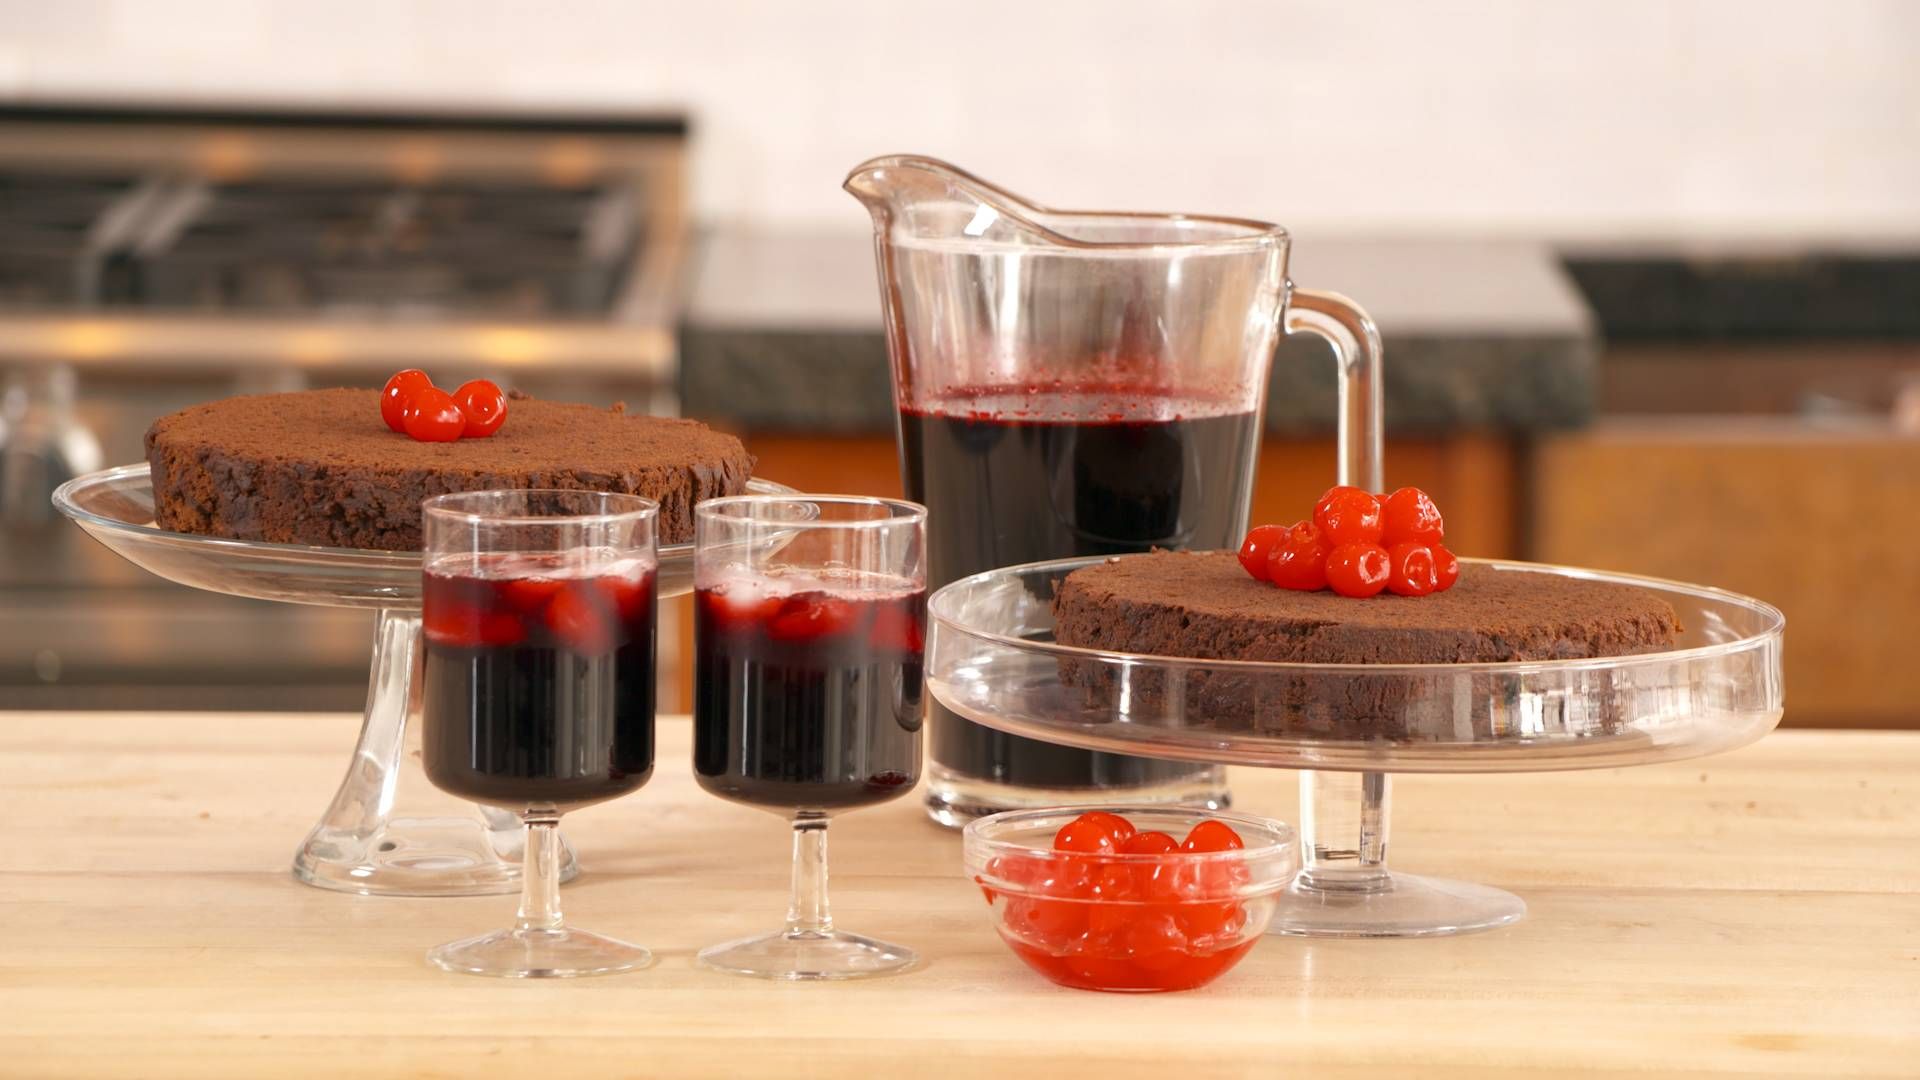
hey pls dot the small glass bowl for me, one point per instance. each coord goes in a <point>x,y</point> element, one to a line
<point>1130,923</point>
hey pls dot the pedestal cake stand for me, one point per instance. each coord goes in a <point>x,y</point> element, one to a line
<point>991,658</point>
<point>388,832</point>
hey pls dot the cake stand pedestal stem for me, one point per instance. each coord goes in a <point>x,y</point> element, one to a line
<point>1345,888</point>
<point>389,831</point>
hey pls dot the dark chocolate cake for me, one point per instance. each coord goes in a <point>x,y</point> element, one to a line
<point>1204,605</point>
<point>320,467</point>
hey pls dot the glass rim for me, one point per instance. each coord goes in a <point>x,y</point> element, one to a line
<point>1773,627</point>
<point>446,507</point>
<point>908,513</point>
<point>985,836</point>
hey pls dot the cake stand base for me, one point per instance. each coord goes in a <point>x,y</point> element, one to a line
<point>1403,905</point>
<point>389,831</point>
<point>1345,888</point>
<point>443,856</point>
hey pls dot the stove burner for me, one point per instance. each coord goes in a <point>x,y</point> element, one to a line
<point>312,246</point>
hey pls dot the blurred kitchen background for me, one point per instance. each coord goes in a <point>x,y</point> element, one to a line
<point>1648,271</point>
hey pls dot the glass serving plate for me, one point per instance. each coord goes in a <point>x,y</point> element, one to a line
<point>991,658</point>
<point>388,832</point>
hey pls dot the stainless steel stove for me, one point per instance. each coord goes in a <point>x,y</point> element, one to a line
<point>151,258</point>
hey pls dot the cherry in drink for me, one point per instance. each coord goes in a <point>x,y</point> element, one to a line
<point>539,677</point>
<point>1021,476</point>
<point>808,690</point>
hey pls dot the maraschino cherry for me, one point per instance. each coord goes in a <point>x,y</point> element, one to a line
<point>412,405</point>
<point>1358,544</point>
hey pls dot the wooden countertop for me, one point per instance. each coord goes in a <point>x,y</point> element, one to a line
<point>1753,913</point>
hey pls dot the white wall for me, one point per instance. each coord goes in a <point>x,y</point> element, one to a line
<point>1566,118</point>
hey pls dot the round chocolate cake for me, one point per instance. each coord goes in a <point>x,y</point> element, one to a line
<point>320,467</point>
<point>1204,605</point>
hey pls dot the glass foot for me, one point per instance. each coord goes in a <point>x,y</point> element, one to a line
<point>798,956</point>
<point>448,856</point>
<point>539,954</point>
<point>1406,906</point>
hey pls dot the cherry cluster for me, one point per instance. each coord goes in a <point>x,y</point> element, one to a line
<point>1357,544</point>
<point>412,405</point>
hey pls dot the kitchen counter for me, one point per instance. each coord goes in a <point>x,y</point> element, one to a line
<point>781,332</point>
<point>1752,913</point>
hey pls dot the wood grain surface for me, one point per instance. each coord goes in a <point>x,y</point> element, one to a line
<point>1757,913</point>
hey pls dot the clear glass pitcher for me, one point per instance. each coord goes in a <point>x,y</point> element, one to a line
<point>1075,383</point>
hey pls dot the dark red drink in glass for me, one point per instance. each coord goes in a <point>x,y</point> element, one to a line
<point>808,698</point>
<point>537,610</point>
<point>810,626</point>
<point>539,678</point>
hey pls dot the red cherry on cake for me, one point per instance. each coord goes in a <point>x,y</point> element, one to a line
<point>1358,570</point>
<point>1299,560</point>
<point>1410,569</point>
<point>394,396</point>
<point>430,415</point>
<point>1348,515</point>
<point>1446,569</point>
<point>1358,544</point>
<point>484,406</point>
<point>1258,548</point>
<point>1408,514</point>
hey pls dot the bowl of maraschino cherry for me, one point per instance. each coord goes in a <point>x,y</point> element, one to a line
<point>1358,544</point>
<point>1130,899</point>
<point>411,405</point>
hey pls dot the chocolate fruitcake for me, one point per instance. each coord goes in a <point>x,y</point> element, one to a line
<point>1204,605</point>
<point>320,467</point>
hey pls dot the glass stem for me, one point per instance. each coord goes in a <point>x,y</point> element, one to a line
<point>540,875</point>
<point>807,914</point>
<point>1344,819</point>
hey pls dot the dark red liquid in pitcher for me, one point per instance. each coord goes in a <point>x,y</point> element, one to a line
<point>1015,478</point>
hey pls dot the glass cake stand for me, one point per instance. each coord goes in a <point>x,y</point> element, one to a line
<point>991,658</point>
<point>388,832</point>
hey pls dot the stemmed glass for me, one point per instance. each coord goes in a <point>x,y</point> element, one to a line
<point>810,617</point>
<point>538,609</point>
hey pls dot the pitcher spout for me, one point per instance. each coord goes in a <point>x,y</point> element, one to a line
<point>923,200</point>
<point>930,199</point>
<point>903,179</point>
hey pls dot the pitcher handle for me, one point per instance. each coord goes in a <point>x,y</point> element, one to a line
<point>1356,346</point>
<point>1333,858</point>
